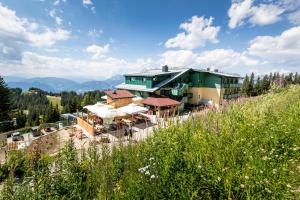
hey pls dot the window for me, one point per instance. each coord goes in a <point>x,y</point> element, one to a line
<point>144,79</point>
<point>132,78</point>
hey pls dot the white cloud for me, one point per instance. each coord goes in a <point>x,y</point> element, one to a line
<point>36,65</point>
<point>57,2</point>
<point>95,33</point>
<point>283,49</point>
<point>98,51</point>
<point>53,14</point>
<point>294,17</point>
<point>198,31</point>
<point>15,29</point>
<point>270,12</point>
<point>239,11</point>
<point>223,59</point>
<point>87,2</point>
<point>265,14</point>
<point>93,9</point>
<point>48,37</point>
<point>58,20</point>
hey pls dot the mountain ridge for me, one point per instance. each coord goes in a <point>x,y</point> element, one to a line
<point>55,84</point>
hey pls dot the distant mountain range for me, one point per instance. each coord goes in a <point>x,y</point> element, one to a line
<point>53,84</point>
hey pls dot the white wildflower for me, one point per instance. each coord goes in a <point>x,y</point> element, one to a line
<point>152,176</point>
<point>265,158</point>
<point>246,177</point>
<point>267,190</point>
<point>242,186</point>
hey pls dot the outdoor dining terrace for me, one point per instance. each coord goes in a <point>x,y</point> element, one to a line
<point>102,118</point>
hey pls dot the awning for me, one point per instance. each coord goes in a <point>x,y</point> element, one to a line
<point>160,101</point>
<point>104,97</point>
<point>132,109</point>
<point>104,111</point>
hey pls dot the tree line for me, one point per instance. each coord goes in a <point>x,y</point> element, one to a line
<point>32,107</point>
<point>254,86</point>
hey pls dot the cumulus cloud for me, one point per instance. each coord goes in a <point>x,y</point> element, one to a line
<point>283,49</point>
<point>219,58</point>
<point>198,31</point>
<point>87,2</point>
<point>294,17</point>
<point>244,11</point>
<point>14,28</point>
<point>53,14</point>
<point>36,65</point>
<point>239,11</point>
<point>265,14</point>
<point>98,51</point>
<point>264,54</point>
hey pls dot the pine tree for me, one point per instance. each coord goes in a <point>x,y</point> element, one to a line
<point>245,86</point>
<point>251,85</point>
<point>4,101</point>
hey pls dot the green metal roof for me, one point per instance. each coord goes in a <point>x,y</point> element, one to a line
<point>155,72</point>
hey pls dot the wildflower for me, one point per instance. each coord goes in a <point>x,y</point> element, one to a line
<point>147,173</point>
<point>266,181</point>
<point>152,176</point>
<point>219,179</point>
<point>267,190</point>
<point>274,171</point>
<point>246,177</point>
<point>151,158</point>
<point>265,158</point>
<point>242,186</point>
<point>261,171</point>
<point>143,169</point>
<point>288,185</point>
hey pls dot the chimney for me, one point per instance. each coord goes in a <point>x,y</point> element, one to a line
<point>208,69</point>
<point>165,68</point>
<point>114,92</point>
<point>216,70</point>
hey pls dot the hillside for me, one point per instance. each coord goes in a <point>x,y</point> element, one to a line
<point>53,84</point>
<point>246,150</point>
<point>56,101</point>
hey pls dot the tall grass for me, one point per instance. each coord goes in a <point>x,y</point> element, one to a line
<point>247,150</point>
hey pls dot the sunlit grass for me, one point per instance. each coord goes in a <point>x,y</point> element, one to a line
<point>247,150</point>
<point>55,101</point>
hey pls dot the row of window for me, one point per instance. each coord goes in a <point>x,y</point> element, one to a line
<point>230,81</point>
<point>138,79</point>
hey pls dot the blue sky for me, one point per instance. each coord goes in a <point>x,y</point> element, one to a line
<point>92,39</point>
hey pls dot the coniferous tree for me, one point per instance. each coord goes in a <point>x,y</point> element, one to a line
<point>4,101</point>
<point>245,86</point>
<point>251,85</point>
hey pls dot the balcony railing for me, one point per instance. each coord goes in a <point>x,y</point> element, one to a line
<point>180,90</point>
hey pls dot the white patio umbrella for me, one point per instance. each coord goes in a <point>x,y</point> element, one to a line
<point>104,111</point>
<point>132,109</point>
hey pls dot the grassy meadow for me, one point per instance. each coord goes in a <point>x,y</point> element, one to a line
<point>55,101</point>
<point>246,150</point>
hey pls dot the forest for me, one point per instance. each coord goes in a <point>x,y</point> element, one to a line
<point>32,107</point>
